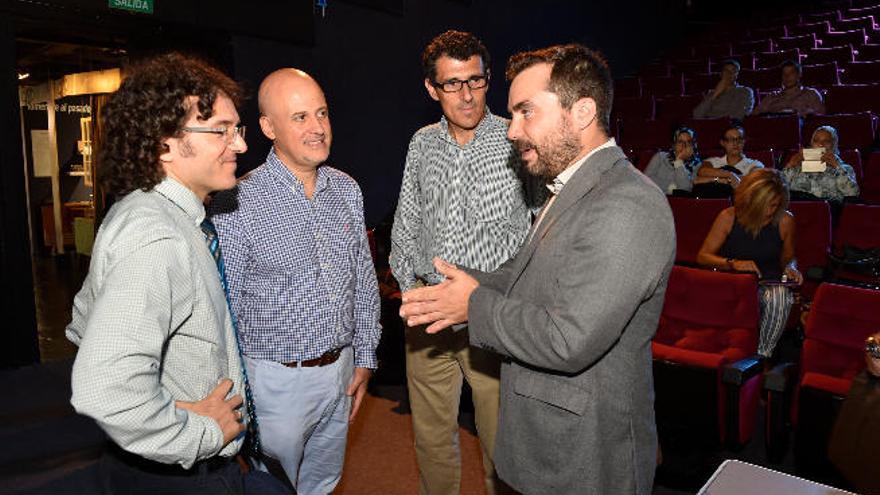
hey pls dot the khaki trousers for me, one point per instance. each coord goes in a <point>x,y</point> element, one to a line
<point>435,366</point>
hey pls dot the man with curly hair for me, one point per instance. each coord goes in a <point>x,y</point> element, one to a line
<point>302,285</point>
<point>462,199</point>
<point>158,366</point>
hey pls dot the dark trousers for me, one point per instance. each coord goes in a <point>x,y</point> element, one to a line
<point>120,472</point>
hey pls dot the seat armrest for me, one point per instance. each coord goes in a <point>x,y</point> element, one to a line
<point>741,371</point>
<point>779,378</point>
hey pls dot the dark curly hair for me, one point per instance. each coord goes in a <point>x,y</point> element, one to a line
<point>150,106</point>
<point>454,44</point>
<point>578,72</point>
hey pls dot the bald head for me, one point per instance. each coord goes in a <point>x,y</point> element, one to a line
<point>294,115</point>
<point>283,81</point>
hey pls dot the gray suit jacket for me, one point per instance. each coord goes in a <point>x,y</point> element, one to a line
<point>575,312</point>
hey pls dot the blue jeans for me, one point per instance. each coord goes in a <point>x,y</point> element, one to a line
<point>303,416</point>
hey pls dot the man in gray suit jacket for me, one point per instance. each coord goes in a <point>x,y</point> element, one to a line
<point>574,312</point>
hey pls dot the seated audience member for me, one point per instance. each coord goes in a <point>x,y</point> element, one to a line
<point>793,97</point>
<point>836,182</point>
<point>674,169</point>
<point>756,235</point>
<point>729,168</point>
<point>872,363</point>
<point>728,99</point>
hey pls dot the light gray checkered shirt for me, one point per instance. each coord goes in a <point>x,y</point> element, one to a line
<point>465,204</point>
<point>153,327</point>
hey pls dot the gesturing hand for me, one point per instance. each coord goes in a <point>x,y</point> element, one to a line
<point>222,410</point>
<point>356,390</point>
<point>441,305</point>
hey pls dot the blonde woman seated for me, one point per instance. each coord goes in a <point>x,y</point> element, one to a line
<point>757,235</point>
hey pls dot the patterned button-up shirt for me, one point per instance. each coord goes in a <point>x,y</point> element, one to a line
<point>465,204</point>
<point>300,275</point>
<point>834,183</point>
<point>153,327</point>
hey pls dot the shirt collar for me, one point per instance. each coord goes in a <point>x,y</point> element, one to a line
<point>182,197</point>
<point>280,171</point>
<point>481,129</point>
<point>560,180</point>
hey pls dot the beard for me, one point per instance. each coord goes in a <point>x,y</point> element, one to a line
<point>554,153</point>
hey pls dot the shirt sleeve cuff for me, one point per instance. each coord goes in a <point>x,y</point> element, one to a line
<point>365,359</point>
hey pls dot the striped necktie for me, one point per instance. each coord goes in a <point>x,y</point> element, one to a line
<point>252,442</point>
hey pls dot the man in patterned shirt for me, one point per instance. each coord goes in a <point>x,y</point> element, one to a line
<point>151,321</point>
<point>462,199</point>
<point>302,285</point>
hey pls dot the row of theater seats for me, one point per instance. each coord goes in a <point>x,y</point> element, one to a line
<point>781,132</point>
<point>842,98</point>
<point>708,380</point>
<point>695,80</point>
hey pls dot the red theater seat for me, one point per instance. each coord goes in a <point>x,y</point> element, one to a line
<point>870,184</point>
<point>812,242</point>
<point>677,108</point>
<point>865,23</point>
<point>861,72</point>
<point>802,42</point>
<point>772,60</point>
<point>764,32</point>
<point>847,98</point>
<point>689,67</point>
<point>857,236</point>
<point>839,54</point>
<point>856,130</point>
<point>706,373</point>
<point>662,86</point>
<point>762,79</point>
<point>820,16</point>
<point>709,131</point>
<point>644,134</point>
<point>822,75</point>
<point>746,47</point>
<point>854,38</point>
<point>819,28</point>
<point>633,108</point>
<point>693,220</point>
<point>840,319</point>
<point>854,159</point>
<point>869,51</point>
<point>781,132</point>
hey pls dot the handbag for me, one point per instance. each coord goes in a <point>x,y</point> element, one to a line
<point>854,446</point>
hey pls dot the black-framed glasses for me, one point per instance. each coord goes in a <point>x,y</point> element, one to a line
<point>734,140</point>
<point>455,85</point>
<point>229,133</point>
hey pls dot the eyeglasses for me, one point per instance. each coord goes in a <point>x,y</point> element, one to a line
<point>736,140</point>
<point>455,85</point>
<point>229,133</point>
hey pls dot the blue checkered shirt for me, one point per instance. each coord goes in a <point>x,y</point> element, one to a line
<point>301,278</point>
<point>466,204</point>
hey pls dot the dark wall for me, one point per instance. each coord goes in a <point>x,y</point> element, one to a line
<point>17,301</point>
<point>367,61</point>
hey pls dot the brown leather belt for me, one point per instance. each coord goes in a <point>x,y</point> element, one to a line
<point>328,357</point>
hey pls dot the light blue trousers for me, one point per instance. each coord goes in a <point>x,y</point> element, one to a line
<point>303,418</point>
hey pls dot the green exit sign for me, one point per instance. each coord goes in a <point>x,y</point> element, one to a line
<point>139,6</point>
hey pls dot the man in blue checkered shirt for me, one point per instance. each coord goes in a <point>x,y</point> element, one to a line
<point>462,199</point>
<point>302,285</point>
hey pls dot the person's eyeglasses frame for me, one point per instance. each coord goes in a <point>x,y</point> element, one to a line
<point>229,137</point>
<point>473,83</point>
